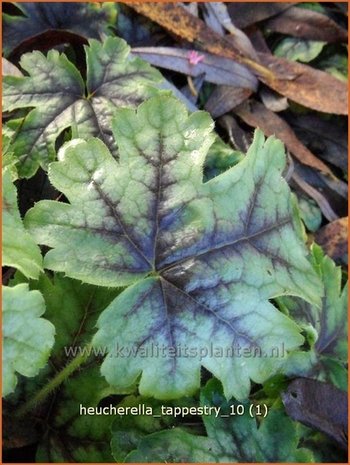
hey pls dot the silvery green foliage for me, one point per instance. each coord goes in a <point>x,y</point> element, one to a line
<point>325,326</point>
<point>201,259</point>
<point>62,100</point>
<point>18,247</point>
<point>27,338</point>
<point>230,439</point>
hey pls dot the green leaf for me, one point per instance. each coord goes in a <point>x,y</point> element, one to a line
<point>176,446</point>
<point>297,49</point>
<point>220,158</point>
<point>85,19</point>
<point>335,372</point>
<point>56,90</point>
<point>310,213</point>
<point>335,64</point>
<point>201,259</point>
<point>72,435</point>
<point>129,429</point>
<point>73,308</point>
<point>313,6</point>
<point>27,338</point>
<point>330,320</point>
<point>9,160</point>
<point>233,439</point>
<point>18,247</point>
<point>326,326</point>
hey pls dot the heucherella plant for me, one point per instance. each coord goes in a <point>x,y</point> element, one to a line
<point>200,260</point>
<point>59,99</point>
<point>162,300</point>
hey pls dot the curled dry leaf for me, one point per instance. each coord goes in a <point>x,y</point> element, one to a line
<point>238,38</point>
<point>332,187</point>
<point>307,24</point>
<point>46,41</point>
<point>177,20</point>
<point>273,101</point>
<point>244,15</point>
<point>258,40</point>
<point>305,85</point>
<point>212,20</point>
<point>239,139</point>
<point>191,8</point>
<point>217,70</point>
<point>320,199</point>
<point>224,98</point>
<point>318,405</point>
<point>324,137</point>
<point>333,190</point>
<point>334,238</point>
<point>84,20</point>
<point>257,115</point>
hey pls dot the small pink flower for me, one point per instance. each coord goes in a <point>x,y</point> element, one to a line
<point>194,58</point>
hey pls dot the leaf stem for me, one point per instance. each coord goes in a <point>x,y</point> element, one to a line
<point>61,376</point>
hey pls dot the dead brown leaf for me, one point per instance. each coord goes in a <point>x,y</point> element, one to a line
<point>305,85</point>
<point>244,15</point>
<point>237,37</point>
<point>326,138</point>
<point>333,238</point>
<point>315,194</point>
<point>224,98</point>
<point>257,115</point>
<point>273,100</point>
<point>218,70</point>
<point>239,139</point>
<point>301,83</point>
<point>307,24</point>
<point>318,405</point>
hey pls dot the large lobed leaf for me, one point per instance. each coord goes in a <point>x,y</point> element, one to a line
<point>27,338</point>
<point>61,99</point>
<point>201,259</point>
